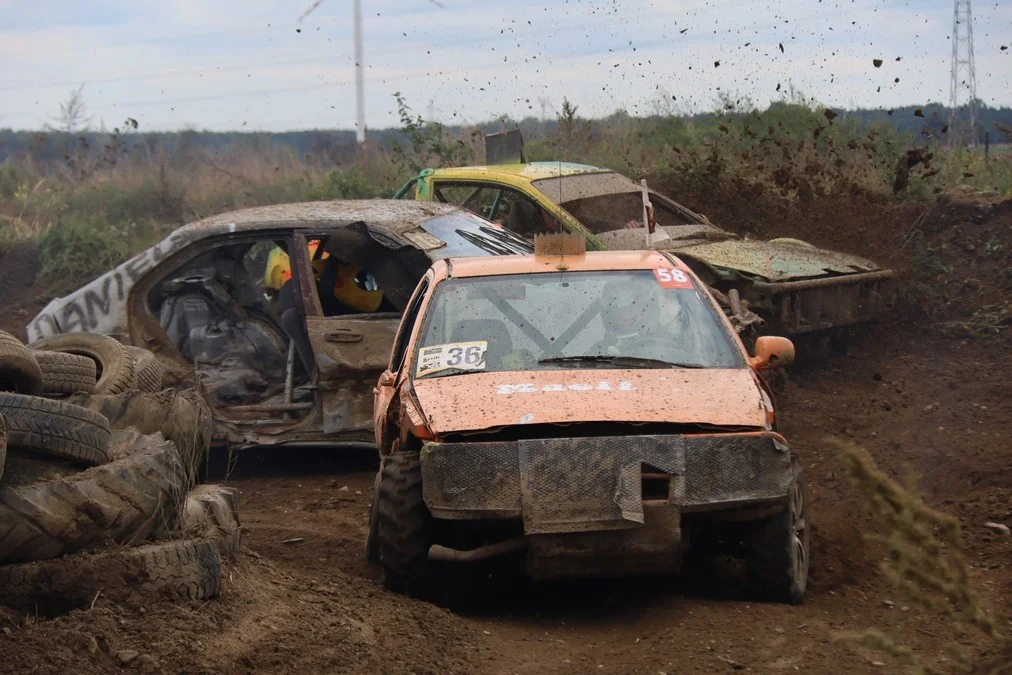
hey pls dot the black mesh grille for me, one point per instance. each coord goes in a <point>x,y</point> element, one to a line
<point>730,467</point>
<point>580,484</point>
<point>474,477</point>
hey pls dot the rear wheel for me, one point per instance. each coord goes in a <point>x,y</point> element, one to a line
<point>405,524</point>
<point>779,546</point>
<point>372,549</point>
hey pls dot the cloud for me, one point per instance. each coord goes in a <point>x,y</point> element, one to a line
<point>223,64</point>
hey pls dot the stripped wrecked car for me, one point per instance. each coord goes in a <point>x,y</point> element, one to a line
<point>594,411</point>
<point>281,315</point>
<point>780,286</point>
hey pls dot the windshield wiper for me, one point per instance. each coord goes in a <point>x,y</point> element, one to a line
<point>450,371</point>
<point>628,361</point>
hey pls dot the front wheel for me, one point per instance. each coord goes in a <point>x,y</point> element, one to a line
<point>779,546</point>
<point>372,546</point>
<point>405,524</point>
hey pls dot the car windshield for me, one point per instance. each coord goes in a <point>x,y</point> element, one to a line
<point>465,234</point>
<point>549,321</point>
<point>607,201</point>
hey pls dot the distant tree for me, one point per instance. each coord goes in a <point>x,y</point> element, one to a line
<point>73,117</point>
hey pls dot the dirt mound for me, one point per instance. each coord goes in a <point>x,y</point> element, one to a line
<point>19,264</point>
<point>921,398</point>
<point>269,618</point>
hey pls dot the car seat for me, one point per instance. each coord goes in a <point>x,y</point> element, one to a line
<point>523,218</point>
<point>492,331</point>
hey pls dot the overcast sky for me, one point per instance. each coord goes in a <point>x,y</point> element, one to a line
<point>250,64</point>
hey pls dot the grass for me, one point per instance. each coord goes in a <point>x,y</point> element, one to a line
<point>94,210</point>
<point>925,559</point>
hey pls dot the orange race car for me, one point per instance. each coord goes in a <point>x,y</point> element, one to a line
<point>596,411</point>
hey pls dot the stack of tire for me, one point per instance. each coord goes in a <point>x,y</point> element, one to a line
<point>98,473</point>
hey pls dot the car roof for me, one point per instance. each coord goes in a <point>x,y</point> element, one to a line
<point>392,215</point>
<point>530,171</point>
<point>593,261</point>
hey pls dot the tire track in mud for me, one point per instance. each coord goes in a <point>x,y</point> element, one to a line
<point>316,606</point>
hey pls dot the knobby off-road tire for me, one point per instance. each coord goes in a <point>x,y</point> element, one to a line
<point>66,373</point>
<point>181,416</point>
<point>780,547</point>
<point>405,524</point>
<point>114,363</point>
<point>3,444</point>
<point>189,569</point>
<point>19,371</point>
<point>372,545</point>
<point>55,428</point>
<point>129,500</point>
<point>211,513</point>
<point>147,371</point>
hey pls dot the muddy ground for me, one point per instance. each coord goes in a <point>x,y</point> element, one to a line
<point>927,391</point>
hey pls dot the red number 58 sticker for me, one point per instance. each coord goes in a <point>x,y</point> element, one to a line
<point>670,277</point>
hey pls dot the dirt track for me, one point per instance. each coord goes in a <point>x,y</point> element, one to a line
<point>917,400</point>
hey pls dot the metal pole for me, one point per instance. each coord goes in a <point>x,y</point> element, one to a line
<point>359,76</point>
<point>646,212</point>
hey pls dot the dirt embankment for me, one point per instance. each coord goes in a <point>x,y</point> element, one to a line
<point>920,397</point>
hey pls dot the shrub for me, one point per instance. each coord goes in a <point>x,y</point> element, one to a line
<point>78,248</point>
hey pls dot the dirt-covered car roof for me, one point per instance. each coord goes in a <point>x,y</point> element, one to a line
<point>593,261</point>
<point>396,216</point>
<point>531,170</point>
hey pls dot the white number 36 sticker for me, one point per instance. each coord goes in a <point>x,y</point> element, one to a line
<point>459,355</point>
<point>670,277</point>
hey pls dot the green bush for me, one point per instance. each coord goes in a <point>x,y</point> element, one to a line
<point>348,183</point>
<point>77,248</point>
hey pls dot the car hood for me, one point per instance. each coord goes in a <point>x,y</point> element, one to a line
<point>477,401</point>
<point>776,260</point>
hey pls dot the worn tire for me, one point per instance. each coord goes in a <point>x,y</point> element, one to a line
<point>181,416</point>
<point>147,371</point>
<point>114,363</point>
<point>188,569</point>
<point>372,550</point>
<point>19,371</point>
<point>56,428</point>
<point>779,547</point>
<point>66,373</point>
<point>3,444</point>
<point>405,524</point>
<point>131,499</point>
<point>211,512</point>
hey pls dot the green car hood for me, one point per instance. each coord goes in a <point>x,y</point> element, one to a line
<point>776,260</point>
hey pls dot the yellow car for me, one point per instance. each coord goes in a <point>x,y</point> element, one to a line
<point>783,285</point>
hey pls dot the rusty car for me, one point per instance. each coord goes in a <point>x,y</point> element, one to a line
<point>240,306</point>
<point>779,286</point>
<point>592,412</point>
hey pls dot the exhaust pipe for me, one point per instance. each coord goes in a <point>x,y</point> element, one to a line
<point>444,554</point>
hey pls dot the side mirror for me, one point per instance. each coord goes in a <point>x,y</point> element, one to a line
<point>771,353</point>
<point>386,379</point>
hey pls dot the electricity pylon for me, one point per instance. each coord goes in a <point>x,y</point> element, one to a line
<point>964,76</point>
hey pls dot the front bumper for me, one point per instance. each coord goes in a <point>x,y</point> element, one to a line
<point>819,304</point>
<point>569,485</point>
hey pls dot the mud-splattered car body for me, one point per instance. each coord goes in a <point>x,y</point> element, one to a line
<point>792,286</point>
<point>197,300</point>
<point>512,418</point>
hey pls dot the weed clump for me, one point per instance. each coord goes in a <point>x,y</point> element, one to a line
<point>925,560</point>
